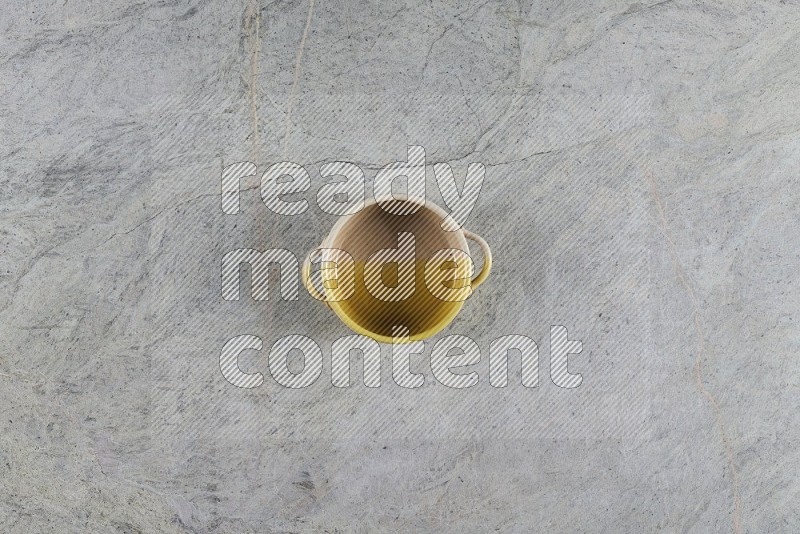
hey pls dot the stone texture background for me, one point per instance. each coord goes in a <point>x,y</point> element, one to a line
<point>641,190</point>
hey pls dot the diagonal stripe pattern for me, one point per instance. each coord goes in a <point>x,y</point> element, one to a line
<point>498,360</point>
<point>341,352</point>
<point>442,362</point>
<point>229,365</point>
<point>231,184</point>
<point>403,257</point>
<point>560,348</point>
<point>259,263</point>
<point>279,361</point>
<point>342,197</point>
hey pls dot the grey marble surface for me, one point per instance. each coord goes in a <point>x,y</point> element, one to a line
<point>641,190</point>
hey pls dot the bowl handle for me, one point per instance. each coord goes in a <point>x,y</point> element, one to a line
<point>306,274</point>
<point>487,258</point>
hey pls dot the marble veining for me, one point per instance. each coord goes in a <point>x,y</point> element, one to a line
<point>641,189</point>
